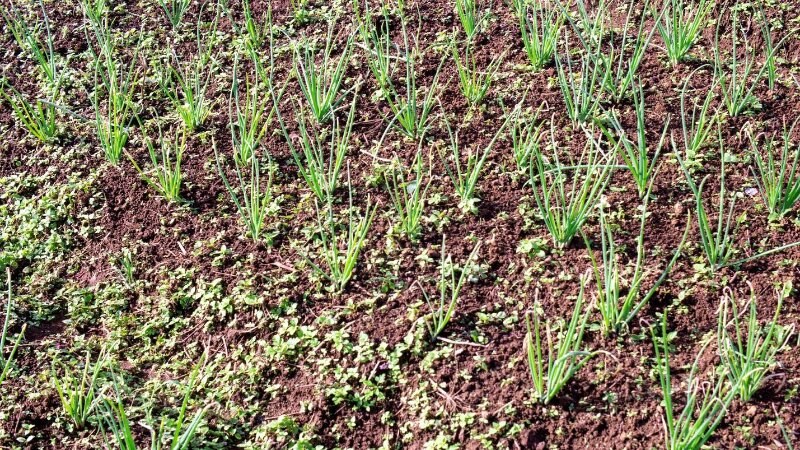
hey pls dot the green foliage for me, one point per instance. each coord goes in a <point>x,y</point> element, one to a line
<point>617,307</point>
<point>77,393</point>
<point>474,83</point>
<point>253,199</point>
<point>565,354</point>
<point>747,350</point>
<point>565,206</point>
<point>165,175</point>
<point>174,10</point>
<point>321,81</point>
<point>341,254</point>
<point>706,402</point>
<point>778,178</point>
<point>449,290</point>
<point>37,116</point>
<point>680,24</point>
<point>465,177</point>
<point>540,26</point>
<point>178,433</point>
<point>409,194</point>
<point>114,87</point>
<point>185,82</point>
<point>6,362</point>
<point>635,153</point>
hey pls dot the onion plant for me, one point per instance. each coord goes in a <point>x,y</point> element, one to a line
<point>615,54</point>
<point>450,286</point>
<point>37,116</point>
<point>321,81</point>
<point>411,111</point>
<point>185,82</point>
<point>253,199</point>
<point>408,190</point>
<point>565,206</point>
<point>28,40</point>
<point>166,156</point>
<point>540,24</point>
<point>474,83</point>
<point>7,361</point>
<point>565,355</point>
<point>769,49</point>
<point>249,119</point>
<point>376,40</point>
<point>636,153</point>
<point>747,350</point>
<point>718,242</point>
<point>175,10</point>
<point>470,17</point>
<point>114,86</point>
<point>320,169</point>
<point>77,393</point>
<point>617,309</point>
<point>341,253</point>
<point>696,130</point>
<point>169,434</point>
<point>526,134</point>
<point>738,77</point>
<point>706,402</point>
<point>465,176</point>
<point>680,24</point>
<point>581,86</point>
<point>778,177</point>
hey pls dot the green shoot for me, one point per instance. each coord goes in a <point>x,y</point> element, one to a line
<point>706,403</point>
<point>778,178</point>
<point>185,82</point>
<point>553,369</point>
<point>748,350</point>
<point>256,202</point>
<point>376,41</point>
<point>769,49</point>
<point>618,309</point>
<point>27,39</point>
<point>409,195</point>
<point>680,24</point>
<point>411,112</point>
<point>37,116</point>
<point>165,176</point>
<point>7,361</point>
<point>114,87</point>
<point>526,133</point>
<point>474,83</point>
<point>321,82</point>
<point>635,154</point>
<point>696,129</point>
<point>540,26</point>
<point>319,171</point>
<point>465,177</point>
<point>249,123</point>
<point>739,85</point>
<point>77,394</point>
<point>181,435</point>
<point>341,255</point>
<point>717,242</point>
<point>449,290</point>
<point>470,17</point>
<point>581,86</point>
<point>174,10</point>
<point>565,206</point>
<point>620,63</point>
